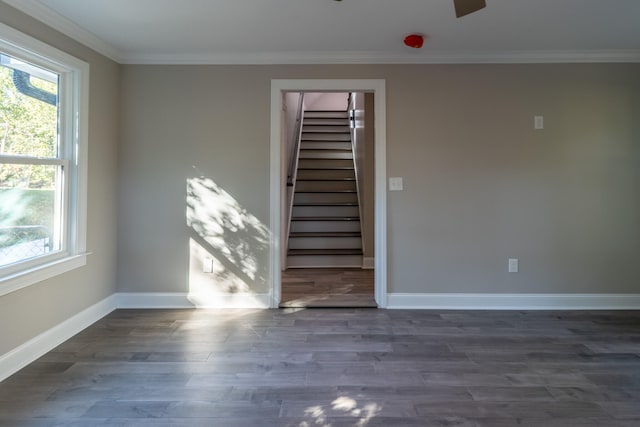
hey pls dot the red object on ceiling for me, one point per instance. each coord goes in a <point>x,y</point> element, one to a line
<point>414,40</point>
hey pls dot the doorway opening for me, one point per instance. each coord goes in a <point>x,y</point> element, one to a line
<point>343,265</point>
<point>328,212</point>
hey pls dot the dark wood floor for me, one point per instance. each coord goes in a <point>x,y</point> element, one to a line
<point>332,367</point>
<point>327,287</point>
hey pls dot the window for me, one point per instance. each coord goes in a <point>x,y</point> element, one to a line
<point>43,127</point>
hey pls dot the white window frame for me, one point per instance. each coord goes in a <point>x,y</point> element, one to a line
<point>73,123</point>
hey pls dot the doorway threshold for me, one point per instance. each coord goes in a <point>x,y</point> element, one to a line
<point>327,288</point>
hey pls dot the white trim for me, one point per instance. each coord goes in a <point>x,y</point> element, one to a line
<point>26,160</point>
<point>36,347</point>
<point>276,259</point>
<point>377,86</point>
<point>67,27</point>
<point>142,300</point>
<point>514,301</point>
<point>73,123</point>
<point>368,263</point>
<point>24,278</point>
<point>422,57</point>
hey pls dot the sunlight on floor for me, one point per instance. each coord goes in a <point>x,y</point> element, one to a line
<point>342,406</point>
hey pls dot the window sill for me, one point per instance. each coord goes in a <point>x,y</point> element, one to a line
<point>42,272</point>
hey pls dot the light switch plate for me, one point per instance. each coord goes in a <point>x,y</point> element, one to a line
<point>513,265</point>
<point>396,184</point>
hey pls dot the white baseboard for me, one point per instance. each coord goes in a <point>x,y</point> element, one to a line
<point>368,263</point>
<point>26,353</point>
<point>36,347</point>
<point>514,301</point>
<point>186,300</point>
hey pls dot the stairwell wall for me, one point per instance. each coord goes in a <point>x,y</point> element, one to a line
<point>365,161</point>
<point>290,102</point>
<point>481,185</point>
<point>368,208</point>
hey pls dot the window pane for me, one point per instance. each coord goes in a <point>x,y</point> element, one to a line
<point>28,109</point>
<point>29,211</point>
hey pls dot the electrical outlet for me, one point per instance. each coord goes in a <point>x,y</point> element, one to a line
<point>396,184</point>
<point>513,265</point>
<point>538,122</point>
<point>207,265</point>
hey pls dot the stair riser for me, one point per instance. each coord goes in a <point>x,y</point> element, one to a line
<point>325,128</point>
<point>332,211</point>
<point>325,243</point>
<point>325,164</point>
<point>325,198</point>
<point>324,261</point>
<point>325,145</point>
<point>325,226</point>
<point>309,136</point>
<point>310,114</point>
<point>325,186</point>
<point>325,154</point>
<point>325,122</point>
<point>326,174</point>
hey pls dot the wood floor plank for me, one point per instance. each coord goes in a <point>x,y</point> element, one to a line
<point>327,288</point>
<point>338,367</point>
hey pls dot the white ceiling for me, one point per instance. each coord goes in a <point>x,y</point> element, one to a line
<point>351,31</point>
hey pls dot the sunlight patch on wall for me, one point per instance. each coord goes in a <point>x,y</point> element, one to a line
<point>228,247</point>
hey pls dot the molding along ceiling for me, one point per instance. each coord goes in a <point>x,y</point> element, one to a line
<point>346,32</point>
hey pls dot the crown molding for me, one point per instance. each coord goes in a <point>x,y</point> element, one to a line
<point>37,10</point>
<point>423,57</point>
<point>406,56</point>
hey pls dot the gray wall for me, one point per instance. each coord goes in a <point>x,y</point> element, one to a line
<point>28,312</point>
<point>480,184</point>
<point>364,151</point>
<point>368,208</point>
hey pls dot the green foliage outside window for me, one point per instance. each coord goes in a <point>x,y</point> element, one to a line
<point>28,127</point>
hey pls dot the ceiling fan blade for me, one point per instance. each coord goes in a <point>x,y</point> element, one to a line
<point>465,7</point>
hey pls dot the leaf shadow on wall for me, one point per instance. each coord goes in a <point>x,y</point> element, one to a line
<point>228,245</point>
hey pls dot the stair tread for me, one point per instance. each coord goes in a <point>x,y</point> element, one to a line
<point>325,218</point>
<point>326,192</point>
<point>326,121</point>
<point>327,169</point>
<point>326,204</point>
<point>342,114</point>
<point>325,179</point>
<point>327,130</point>
<point>346,150</point>
<point>325,234</point>
<point>324,252</point>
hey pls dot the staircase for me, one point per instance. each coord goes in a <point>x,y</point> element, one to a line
<point>325,226</point>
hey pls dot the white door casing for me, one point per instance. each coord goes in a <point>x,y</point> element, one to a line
<point>375,86</point>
